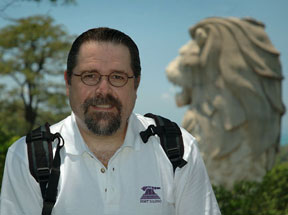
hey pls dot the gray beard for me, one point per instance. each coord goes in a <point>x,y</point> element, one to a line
<point>111,123</point>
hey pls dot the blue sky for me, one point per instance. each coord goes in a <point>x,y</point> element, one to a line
<point>160,28</point>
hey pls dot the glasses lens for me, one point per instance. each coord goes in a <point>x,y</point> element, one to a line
<point>118,79</point>
<point>90,78</point>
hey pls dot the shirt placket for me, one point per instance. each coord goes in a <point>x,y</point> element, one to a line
<point>107,179</point>
<point>112,197</point>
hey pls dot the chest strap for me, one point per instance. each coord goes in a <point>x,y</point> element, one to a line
<point>170,138</point>
<point>43,167</point>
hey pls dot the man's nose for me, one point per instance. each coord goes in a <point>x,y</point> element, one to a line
<point>103,85</point>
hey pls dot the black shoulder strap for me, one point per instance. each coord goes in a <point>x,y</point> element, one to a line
<point>170,138</point>
<point>43,167</point>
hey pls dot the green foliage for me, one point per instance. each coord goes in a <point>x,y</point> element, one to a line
<point>269,197</point>
<point>12,119</point>
<point>33,52</point>
<point>274,197</point>
<point>14,124</point>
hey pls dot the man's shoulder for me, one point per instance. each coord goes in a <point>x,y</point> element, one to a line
<point>19,147</point>
<point>146,121</point>
<point>57,127</point>
<point>188,140</point>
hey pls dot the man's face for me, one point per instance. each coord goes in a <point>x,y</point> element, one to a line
<point>102,109</point>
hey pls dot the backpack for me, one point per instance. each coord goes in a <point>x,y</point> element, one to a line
<point>46,169</point>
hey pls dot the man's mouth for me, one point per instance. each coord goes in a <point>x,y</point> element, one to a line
<point>101,103</point>
<point>105,106</point>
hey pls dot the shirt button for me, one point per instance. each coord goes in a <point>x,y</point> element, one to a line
<point>103,170</point>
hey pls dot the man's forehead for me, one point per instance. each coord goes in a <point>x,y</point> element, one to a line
<point>103,50</point>
<point>94,52</point>
<point>102,45</point>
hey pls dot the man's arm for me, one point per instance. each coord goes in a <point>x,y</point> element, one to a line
<point>194,194</point>
<point>20,192</point>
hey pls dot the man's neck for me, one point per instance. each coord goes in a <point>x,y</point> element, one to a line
<point>103,147</point>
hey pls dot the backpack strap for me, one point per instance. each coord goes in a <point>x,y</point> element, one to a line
<point>43,167</point>
<point>170,138</point>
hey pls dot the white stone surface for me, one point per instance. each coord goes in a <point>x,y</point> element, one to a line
<point>230,75</point>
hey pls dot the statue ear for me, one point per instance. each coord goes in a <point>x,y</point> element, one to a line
<point>200,37</point>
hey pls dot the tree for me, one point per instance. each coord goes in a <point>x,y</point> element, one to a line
<point>32,54</point>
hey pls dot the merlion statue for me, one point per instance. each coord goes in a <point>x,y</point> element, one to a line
<point>230,75</point>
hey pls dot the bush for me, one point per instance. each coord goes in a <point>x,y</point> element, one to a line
<point>269,197</point>
<point>274,197</point>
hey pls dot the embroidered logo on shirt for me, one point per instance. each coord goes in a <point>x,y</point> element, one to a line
<point>150,196</point>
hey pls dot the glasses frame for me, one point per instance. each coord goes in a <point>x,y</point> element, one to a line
<point>100,78</point>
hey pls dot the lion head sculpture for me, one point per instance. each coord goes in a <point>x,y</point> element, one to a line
<point>230,75</point>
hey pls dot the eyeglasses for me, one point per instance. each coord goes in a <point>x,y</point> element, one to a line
<point>116,79</point>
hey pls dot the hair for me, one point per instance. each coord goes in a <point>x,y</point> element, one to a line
<point>104,34</point>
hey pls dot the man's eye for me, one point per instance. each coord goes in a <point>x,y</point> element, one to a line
<point>90,76</point>
<point>117,77</point>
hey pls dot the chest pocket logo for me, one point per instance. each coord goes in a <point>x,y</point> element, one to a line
<point>150,196</point>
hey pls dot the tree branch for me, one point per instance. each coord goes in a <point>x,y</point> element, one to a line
<point>13,76</point>
<point>3,15</point>
<point>23,96</point>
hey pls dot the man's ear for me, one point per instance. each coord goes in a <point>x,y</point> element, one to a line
<point>67,82</point>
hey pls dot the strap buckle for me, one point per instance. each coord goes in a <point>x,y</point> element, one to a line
<point>43,174</point>
<point>40,135</point>
<point>150,131</point>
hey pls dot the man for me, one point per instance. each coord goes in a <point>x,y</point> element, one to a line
<point>105,166</point>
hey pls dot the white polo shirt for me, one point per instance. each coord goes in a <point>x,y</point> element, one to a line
<point>139,179</point>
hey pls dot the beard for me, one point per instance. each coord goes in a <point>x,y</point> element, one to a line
<point>102,123</point>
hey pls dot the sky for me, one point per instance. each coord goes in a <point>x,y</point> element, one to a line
<point>160,28</point>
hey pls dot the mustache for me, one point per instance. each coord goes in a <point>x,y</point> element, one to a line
<point>101,100</point>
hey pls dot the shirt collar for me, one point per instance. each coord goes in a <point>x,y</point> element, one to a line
<point>132,138</point>
<point>75,144</point>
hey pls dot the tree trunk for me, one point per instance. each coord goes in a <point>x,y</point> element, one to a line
<point>30,117</point>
